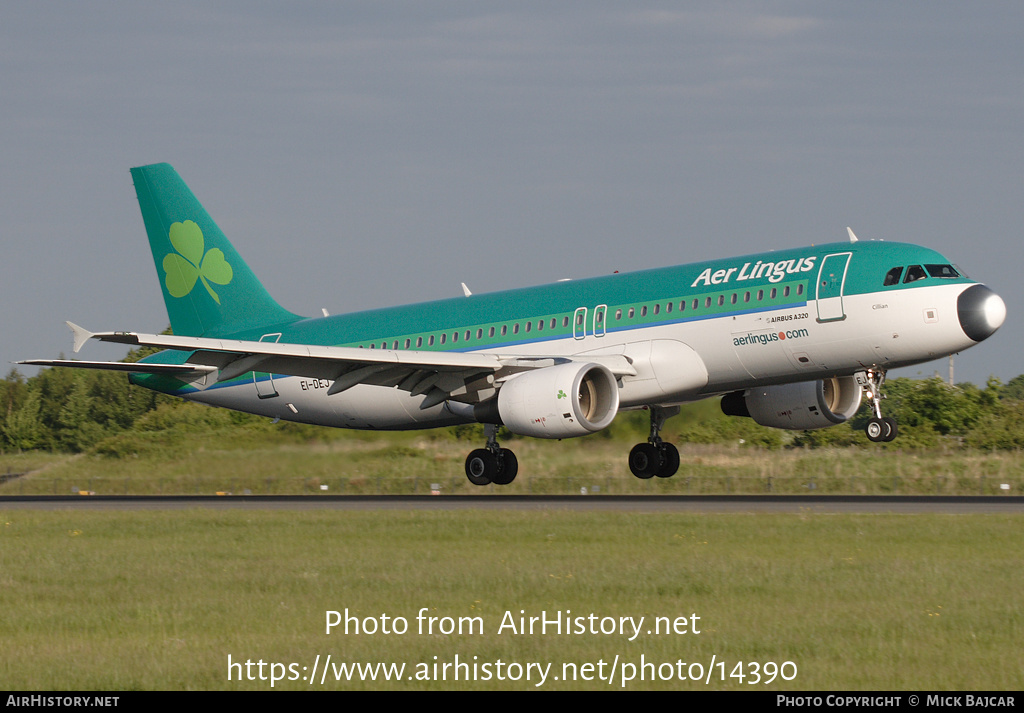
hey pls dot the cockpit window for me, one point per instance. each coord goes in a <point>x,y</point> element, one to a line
<point>893,276</point>
<point>942,271</point>
<point>914,272</point>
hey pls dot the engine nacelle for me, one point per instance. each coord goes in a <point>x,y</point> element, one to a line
<point>561,401</point>
<point>803,406</point>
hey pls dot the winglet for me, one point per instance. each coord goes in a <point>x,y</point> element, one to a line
<point>81,335</point>
<point>465,290</point>
<point>853,238</point>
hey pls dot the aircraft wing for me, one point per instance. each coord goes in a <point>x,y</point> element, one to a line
<point>441,375</point>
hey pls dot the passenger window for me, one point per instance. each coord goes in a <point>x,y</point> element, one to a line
<point>643,311</point>
<point>914,273</point>
<point>631,312</point>
<point>707,301</point>
<point>408,343</point>
<point>490,332</point>
<point>668,307</point>
<point>893,277</point>
<point>618,315</point>
<point>785,291</point>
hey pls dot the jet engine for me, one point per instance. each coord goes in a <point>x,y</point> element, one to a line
<point>802,406</point>
<point>561,401</point>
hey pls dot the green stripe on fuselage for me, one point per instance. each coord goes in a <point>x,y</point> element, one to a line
<point>616,318</point>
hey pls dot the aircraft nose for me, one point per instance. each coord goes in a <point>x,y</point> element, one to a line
<point>981,312</point>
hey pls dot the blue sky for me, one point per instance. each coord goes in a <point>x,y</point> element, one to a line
<point>362,154</point>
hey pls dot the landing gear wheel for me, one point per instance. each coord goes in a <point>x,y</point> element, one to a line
<point>891,423</point>
<point>645,460</point>
<point>481,467</point>
<point>669,461</point>
<point>655,458</point>
<point>879,430</point>
<point>508,467</point>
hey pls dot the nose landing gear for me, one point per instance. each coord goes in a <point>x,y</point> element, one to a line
<point>879,429</point>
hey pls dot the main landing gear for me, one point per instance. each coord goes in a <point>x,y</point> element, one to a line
<point>492,464</point>
<point>879,429</point>
<point>656,457</point>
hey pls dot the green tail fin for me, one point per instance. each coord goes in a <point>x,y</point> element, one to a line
<point>208,289</point>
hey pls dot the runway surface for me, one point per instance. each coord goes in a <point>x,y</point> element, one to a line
<point>617,503</point>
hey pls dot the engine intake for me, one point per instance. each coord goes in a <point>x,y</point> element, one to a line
<point>561,401</point>
<point>803,406</point>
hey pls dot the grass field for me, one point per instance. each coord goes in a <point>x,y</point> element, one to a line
<point>160,600</point>
<point>414,463</point>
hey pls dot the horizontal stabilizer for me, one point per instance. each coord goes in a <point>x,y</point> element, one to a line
<point>179,370</point>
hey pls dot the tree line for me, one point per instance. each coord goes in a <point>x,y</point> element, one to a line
<point>74,410</point>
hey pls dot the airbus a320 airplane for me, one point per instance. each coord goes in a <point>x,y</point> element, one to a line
<point>792,339</point>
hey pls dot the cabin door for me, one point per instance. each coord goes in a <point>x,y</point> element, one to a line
<point>579,323</point>
<point>829,293</point>
<point>599,315</point>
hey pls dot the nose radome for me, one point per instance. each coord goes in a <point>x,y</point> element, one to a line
<point>981,312</point>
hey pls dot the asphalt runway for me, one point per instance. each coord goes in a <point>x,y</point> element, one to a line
<point>617,503</point>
